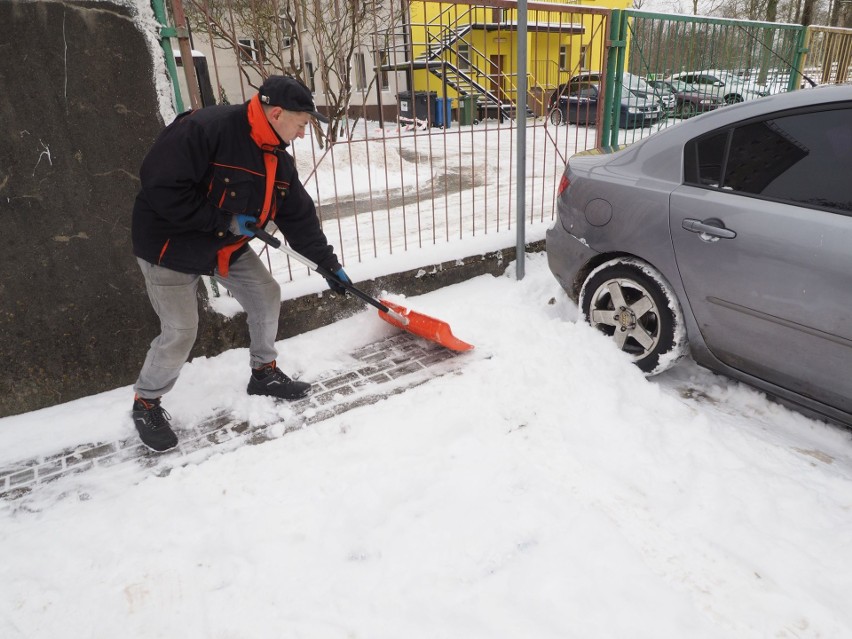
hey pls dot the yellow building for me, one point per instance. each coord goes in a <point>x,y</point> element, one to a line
<point>470,51</point>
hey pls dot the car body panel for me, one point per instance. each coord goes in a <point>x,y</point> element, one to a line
<point>755,303</point>
<point>763,307</point>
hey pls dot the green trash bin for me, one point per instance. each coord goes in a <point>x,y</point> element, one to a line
<point>467,108</point>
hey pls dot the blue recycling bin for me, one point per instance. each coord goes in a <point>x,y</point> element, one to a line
<point>444,112</point>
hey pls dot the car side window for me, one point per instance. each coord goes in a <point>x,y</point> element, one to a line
<point>793,158</point>
<point>703,159</point>
<point>796,159</point>
<point>588,91</point>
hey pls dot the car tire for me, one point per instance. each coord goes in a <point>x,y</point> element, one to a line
<point>733,98</point>
<point>631,302</point>
<point>687,109</point>
<point>556,117</point>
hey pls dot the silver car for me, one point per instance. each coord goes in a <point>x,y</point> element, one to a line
<point>730,87</point>
<point>728,236</point>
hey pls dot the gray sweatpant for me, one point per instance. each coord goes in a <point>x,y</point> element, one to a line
<point>173,296</point>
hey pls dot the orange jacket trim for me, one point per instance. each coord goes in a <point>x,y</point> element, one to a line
<point>265,137</point>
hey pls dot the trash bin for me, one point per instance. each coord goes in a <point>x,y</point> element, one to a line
<point>467,104</point>
<point>444,112</point>
<point>406,107</point>
<point>422,106</point>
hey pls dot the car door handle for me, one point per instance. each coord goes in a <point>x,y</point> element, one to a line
<point>712,229</point>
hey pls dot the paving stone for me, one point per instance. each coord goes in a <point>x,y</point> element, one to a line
<point>23,477</point>
<point>388,367</point>
<point>341,380</point>
<point>49,468</point>
<point>407,369</point>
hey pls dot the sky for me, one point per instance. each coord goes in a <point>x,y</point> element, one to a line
<point>545,488</point>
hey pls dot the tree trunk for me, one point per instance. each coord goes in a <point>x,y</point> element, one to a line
<point>808,12</point>
<point>768,54</point>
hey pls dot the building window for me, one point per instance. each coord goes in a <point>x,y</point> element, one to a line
<point>309,66</point>
<point>463,56</point>
<point>251,50</point>
<point>360,72</point>
<point>384,83</point>
<point>563,57</point>
<point>286,33</point>
<point>584,60</point>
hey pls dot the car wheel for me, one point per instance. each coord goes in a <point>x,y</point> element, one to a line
<point>733,98</point>
<point>632,303</point>
<point>556,117</point>
<point>687,109</point>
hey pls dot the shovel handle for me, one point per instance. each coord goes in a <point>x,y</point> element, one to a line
<point>274,242</point>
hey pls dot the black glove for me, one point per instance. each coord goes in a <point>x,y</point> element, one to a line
<point>335,286</point>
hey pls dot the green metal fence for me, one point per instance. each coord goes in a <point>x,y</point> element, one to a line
<point>731,59</point>
<point>429,149</point>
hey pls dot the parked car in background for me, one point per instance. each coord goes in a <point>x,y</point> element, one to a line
<point>666,96</point>
<point>730,87</point>
<point>689,100</point>
<point>726,237</point>
<point>576,102</point>
<point>638,85</point>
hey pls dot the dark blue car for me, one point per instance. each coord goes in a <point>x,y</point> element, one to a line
<point>578,103</point>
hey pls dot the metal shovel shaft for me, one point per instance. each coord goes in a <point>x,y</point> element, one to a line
<point>274,242</point>
<point>419,324</point>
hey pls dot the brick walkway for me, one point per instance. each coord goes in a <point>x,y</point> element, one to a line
<point>383,369</point>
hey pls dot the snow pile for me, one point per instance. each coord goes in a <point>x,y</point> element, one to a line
<point>545,490</point>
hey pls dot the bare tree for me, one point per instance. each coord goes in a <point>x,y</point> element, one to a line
<point>284,34</point>
<point>841,14</point>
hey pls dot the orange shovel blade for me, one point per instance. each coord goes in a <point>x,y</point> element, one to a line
<point>427,327</point>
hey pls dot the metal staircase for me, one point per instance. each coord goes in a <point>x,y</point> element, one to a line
<point>438,58</point>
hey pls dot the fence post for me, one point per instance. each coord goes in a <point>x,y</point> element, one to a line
<point>166,33</point>
<point>521,155</point>
<point>803,39</point>
<point>614,69</point>
<point>186,54</point>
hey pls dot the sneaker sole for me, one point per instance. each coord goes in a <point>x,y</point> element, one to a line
<point>286,399</point>
<point>158,451</point>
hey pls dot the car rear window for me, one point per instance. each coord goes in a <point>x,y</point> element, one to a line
<point>792,158</point>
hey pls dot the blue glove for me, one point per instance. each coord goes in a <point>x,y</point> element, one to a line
<point>238,225</point>
<point>335,286</point>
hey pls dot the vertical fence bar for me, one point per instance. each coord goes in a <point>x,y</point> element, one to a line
<point>166,33</point>
<point>186,54</point>
<point>521,119</point>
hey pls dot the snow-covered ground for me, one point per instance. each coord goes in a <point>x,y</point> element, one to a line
<point>546,489</point>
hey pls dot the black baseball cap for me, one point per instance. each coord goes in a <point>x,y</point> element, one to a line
<point>290,94</point>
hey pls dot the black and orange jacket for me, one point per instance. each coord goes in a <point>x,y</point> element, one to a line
<point>205,167</point>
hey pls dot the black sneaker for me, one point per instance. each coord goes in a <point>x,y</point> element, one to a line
<point>152,422</point>
<point>269,380</point>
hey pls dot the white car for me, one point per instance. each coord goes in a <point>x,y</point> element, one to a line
<point>730,87</point>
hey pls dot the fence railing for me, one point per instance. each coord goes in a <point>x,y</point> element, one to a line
<point>427,154</point>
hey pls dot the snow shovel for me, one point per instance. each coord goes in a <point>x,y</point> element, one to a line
<point>422,325</point>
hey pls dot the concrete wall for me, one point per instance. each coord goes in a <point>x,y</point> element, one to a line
<point>78,111</point>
